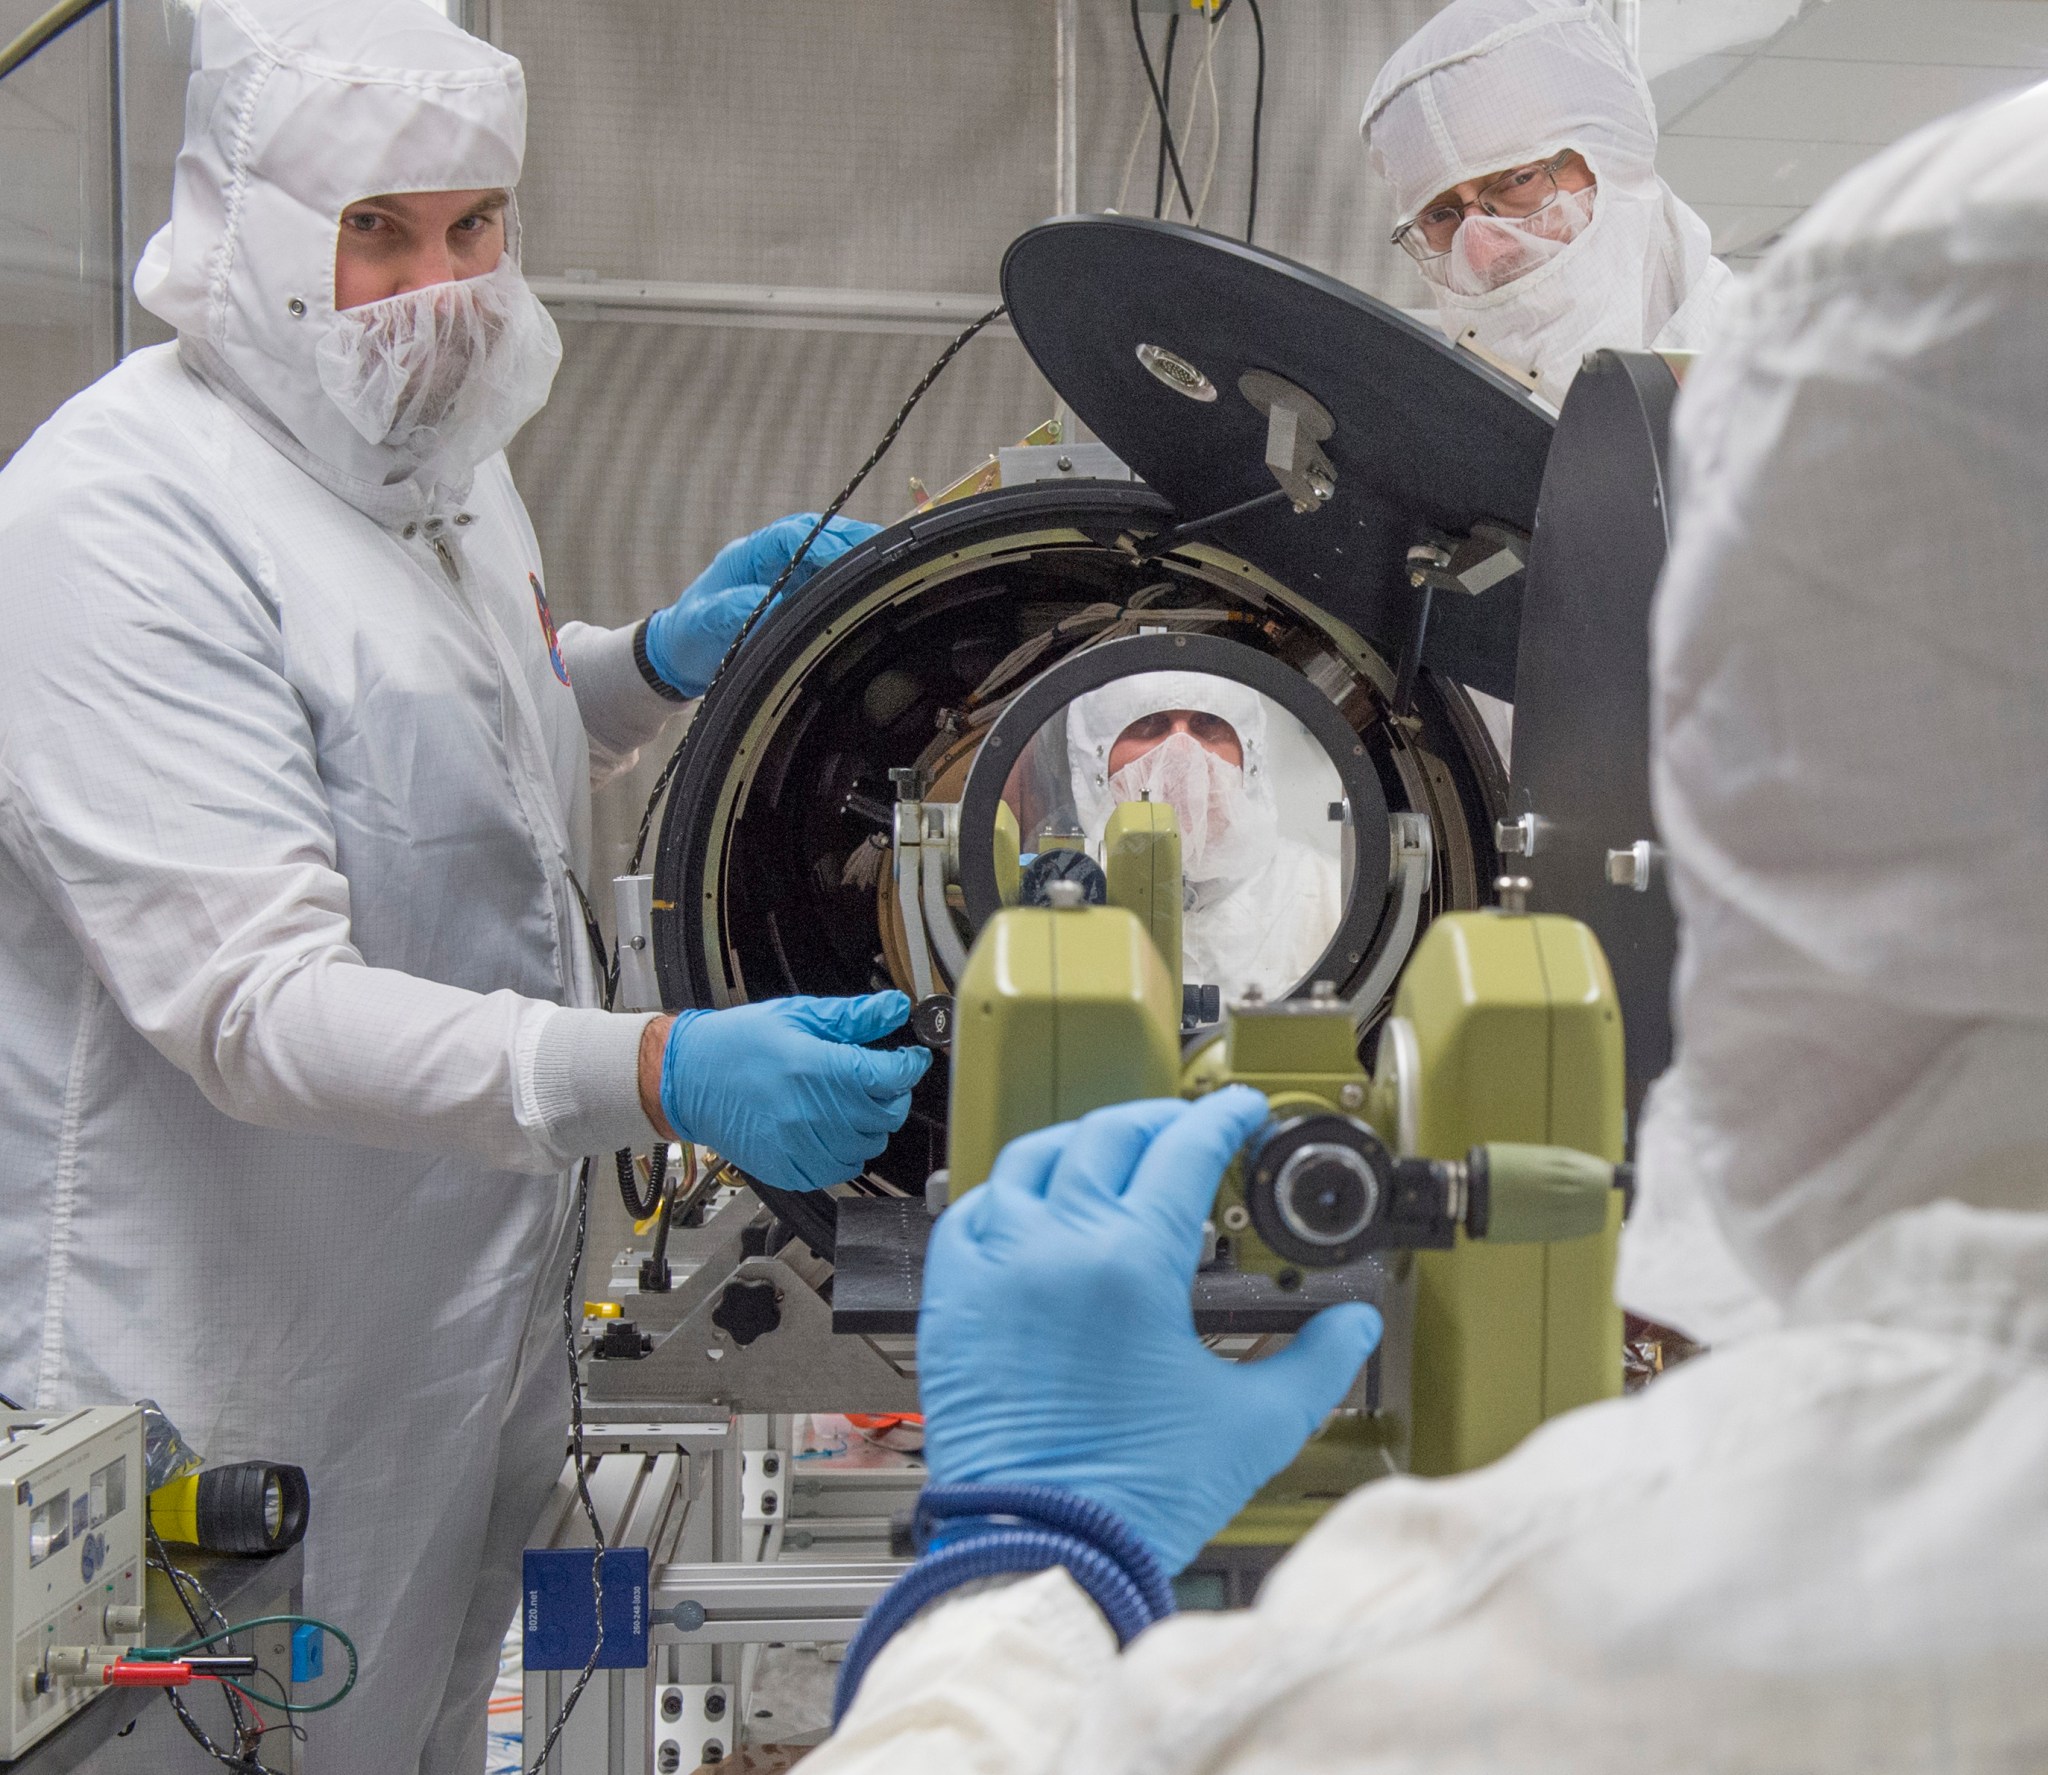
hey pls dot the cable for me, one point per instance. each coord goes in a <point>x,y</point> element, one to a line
<point>1159,104</point>
<point>242,1758</point>
<point>44,32</point>
<point>1166,84</point>
<point>1251,214</point>
<point>668,771</point>
<point>227,1632</point>
<point>575,1695</point>
<point>1205,75</point>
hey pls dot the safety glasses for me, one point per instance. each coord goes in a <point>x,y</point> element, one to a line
<point>1520,192</point>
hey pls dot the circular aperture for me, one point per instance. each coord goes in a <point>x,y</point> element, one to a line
<point>773,874</point>
<point>1326,1194</point>
<point>1315,1185</point>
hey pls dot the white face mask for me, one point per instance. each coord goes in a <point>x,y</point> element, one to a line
<point>446,375</point>
<point>1226,834</point>
<point>1490,251</point>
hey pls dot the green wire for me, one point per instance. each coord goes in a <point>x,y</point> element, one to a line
<point>291,1707</point>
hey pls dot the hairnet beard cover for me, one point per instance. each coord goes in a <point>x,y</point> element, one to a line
<point>1489,252</point>
<point>446,375</point>
<point>1226,834</point>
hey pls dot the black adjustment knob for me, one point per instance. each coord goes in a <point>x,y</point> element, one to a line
<point>1061,865</point>
<point>1316,1186</point>
<point>621,1341</point>
<point>932,1020</point>
<point>747,1310</point>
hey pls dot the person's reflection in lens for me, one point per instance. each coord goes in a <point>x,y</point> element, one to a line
<point>1261,908</point>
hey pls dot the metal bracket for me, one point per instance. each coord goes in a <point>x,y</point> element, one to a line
<point>633,914</point>
<point>801,1365</point>
<point>1471,564</point>
<point>1296,424</point>
<point>940,848</point>
<point>1414,862</point>
<point>1468,340</point>
<point>906,846</point>
<point>693,1725</point>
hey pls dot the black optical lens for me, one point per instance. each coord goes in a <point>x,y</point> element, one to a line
<point>1326,1194</point>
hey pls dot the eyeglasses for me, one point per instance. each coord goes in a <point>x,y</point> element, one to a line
<point>1519,192</point>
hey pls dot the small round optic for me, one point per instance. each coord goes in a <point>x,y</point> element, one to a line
<point>1326,1194</point>
<point>1176,372</point>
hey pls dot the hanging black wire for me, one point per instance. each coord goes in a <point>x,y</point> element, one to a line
<point>580,1462</point>
<point>1159,105</point>
<point>1251,214</point>
<point>668,770</point>
<point>1166,84</point>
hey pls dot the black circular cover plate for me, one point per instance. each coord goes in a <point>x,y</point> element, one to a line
<point>1427,438</point>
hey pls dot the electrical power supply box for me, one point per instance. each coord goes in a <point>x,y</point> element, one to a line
<point>71,1572</point>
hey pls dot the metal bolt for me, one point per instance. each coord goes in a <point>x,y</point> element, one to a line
<point>671,1705</point>
<point>713,1752</point>
<point>1633,867</point>
<point>1351,1096</point>
<point>1512,892</point>
<point>669,1759</point>
<point>1516,837</point>
<point>1065,464</point>
<point>296,309</point>
<point>768,1502</point>
<point>714,1704</point>
<point>771,1464</point>
<point>1235,1217</point>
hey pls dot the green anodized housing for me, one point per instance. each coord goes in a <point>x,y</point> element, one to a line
<point>1141,858</point>
<point>1505,1034</point>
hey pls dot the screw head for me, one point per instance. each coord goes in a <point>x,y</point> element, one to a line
<point>714,1704</point>
<point>1236,1218</point>
<point>296,309</point>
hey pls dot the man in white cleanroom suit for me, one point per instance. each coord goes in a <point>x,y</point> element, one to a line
<point>297,1050</point>
<point>1820,1548</point>
<point>1521,142</point>
<point>1260,908</point>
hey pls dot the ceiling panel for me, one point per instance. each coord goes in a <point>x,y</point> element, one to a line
<point>1801,99</point>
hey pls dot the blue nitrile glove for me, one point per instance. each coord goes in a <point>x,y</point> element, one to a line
<point>783,1088</point>
<point>1057,1345</point>
<point>686,641</point>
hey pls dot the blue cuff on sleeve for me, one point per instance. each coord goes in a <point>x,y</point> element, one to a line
<point>965,1533</point>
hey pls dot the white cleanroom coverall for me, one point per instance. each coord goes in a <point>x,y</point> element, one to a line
<point>292,775</point>
<point>1261,907</point>
<point>1825,1547</point>
<point>1491,84</point>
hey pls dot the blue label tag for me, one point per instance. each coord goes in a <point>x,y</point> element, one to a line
<point>559,1616</point>
<point>309,1653</point>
